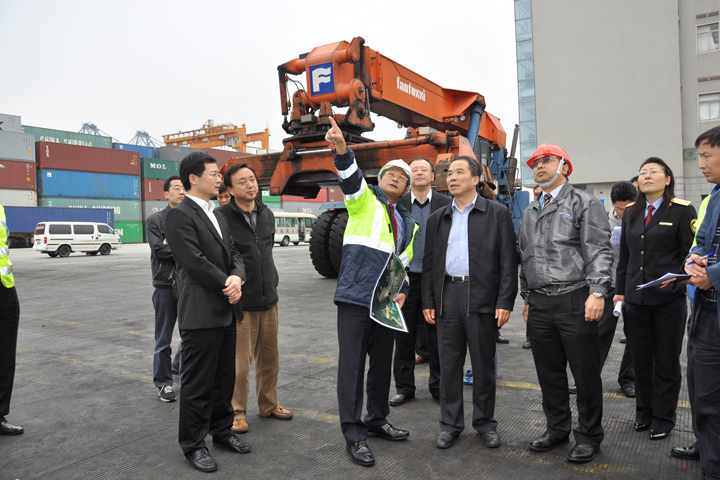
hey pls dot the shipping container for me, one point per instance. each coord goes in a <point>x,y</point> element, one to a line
<point>153,189</point>
<point>124,210</point>
<point>18,175</point>
<point>175,154</point>
<point>10,123</point>
<point>158,169</point>
<point>17,146</point>
<point>321,197</point>
<point>223,156</point>
<point>334,194</point>
<point>22,221</point>
<point>130,232</point>
<point>65,183</point>
<point>267,198</point>
<point>57,156</point>
<point>18,198</point>
<point>303,207</point>
<point>144,151</point>
<point>68,138</point>
<point>274,206</point>
<point>153,206</point>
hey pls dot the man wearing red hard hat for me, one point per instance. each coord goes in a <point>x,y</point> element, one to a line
<point>565,278</point>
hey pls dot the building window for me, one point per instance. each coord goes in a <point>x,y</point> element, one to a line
<point>527,111</point>
<point>707,38</point>
<point>709,107</point>
<point>526,70</point>
<point>523,29</point>
<point>525,50</point>
<point>522,9</point>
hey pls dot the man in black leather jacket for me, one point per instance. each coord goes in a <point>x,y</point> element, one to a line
<point>164,300</point>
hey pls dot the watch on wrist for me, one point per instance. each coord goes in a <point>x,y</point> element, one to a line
<point>598,295</point>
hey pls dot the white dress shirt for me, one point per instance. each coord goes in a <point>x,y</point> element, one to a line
<point>208,208</point>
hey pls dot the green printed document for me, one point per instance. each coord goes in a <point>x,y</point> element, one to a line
<point>382,307</point>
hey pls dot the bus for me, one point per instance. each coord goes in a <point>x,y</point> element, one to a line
<point>293,227</point>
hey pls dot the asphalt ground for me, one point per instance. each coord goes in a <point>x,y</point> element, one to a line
<point>84,393</point>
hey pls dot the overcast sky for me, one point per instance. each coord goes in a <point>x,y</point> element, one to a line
<point>166,67</point>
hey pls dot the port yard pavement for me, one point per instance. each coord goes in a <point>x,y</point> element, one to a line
<point>84,393</point>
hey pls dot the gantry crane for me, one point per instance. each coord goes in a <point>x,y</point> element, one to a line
<point>225,135</point>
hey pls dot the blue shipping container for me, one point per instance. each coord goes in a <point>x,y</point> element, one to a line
<point>25,219</point>
<point>145,152</point>
<point>65,183</point>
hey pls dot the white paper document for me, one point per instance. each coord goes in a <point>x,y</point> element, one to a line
<point>668,277</point>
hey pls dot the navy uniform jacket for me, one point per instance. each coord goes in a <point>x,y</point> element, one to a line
<point>648,253</point>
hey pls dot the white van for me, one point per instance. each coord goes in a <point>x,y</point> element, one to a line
<point>293,227</point>
<point>63,238</point>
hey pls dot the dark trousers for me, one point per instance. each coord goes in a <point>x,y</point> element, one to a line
<point>208,380</point>
<point>560,335</point>
<point>404,362</point>
<point>691,382</point>
<point>456,329</point>
<point>655,335</point>
<point>606,333</point>
<point>9,320</point>
<point>359,337</point>
<point>165,317</point>
<point>706,336</point>
<point>421,342</point>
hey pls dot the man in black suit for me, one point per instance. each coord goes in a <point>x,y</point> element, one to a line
<point>421,201</point>
<point>469,284</point>
<point>210,274</point>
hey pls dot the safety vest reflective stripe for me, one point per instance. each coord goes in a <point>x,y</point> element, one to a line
<point>368,242</point>
<point>355,196</point>
<point>343,174</point>
<point>3,224</point>
<point>4,251</point>
<point>6,270</point>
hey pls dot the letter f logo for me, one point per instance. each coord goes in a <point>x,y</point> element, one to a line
<point>320,75</point>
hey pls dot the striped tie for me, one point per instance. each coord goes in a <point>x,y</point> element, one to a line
<point>546,201</point>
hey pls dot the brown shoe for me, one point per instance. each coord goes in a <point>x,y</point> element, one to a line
<point>282,413</point>
<point>239,426</point>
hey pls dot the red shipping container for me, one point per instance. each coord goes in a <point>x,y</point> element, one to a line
<point>18,175</point>
<point>222,156</point>
<point>58,156</point>
<point>322,197</point>
<point>334,194</point>
<point>153,189</point>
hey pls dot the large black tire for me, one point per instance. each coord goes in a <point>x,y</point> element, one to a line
<point>319,240</point>
<point>52,254</point>
<point>63,251</point>
<point>105,249</point>
<point>335,243</point>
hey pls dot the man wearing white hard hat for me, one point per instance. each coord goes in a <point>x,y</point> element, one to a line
<point>376,228</point>
<point>9,321</point>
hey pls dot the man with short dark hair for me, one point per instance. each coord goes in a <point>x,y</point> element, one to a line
<point>223,196</point>
<point>209,277</point>
<point>469,285</point>
<point>164,301</point>
<point>421,201</point>
<point>705,320</point>
<point>565,278</point>
<point>252,226</point>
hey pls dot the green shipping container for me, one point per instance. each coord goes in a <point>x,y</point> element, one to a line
<point>274,205</point>
<point>68,138</point>
<point>130,232</point>
<point>125,210</point>
<point>267,198</point>
<point>155,169</point>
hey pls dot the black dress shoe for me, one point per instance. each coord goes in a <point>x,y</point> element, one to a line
<point>628,390</point>
<point>9,429</point>
<point>546,441</point>
<point>572,389</point>
<point>640,427</point>
<point>686,453</point>
<point>232,443</point>
<point>360,453</point>
<point>583,453</point>
<point>491,439</point>
<point>389,432</point>
<point>400,398</point>
<point>658,435</point>
<point>446,439</point>
<point>202,460</point>
<point>527,344</point>
<point>501,339</point>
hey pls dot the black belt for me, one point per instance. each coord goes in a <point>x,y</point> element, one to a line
<point>457,278</point>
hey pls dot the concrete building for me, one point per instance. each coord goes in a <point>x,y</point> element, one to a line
<point>616,82</point>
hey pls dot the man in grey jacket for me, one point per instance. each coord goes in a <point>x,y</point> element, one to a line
<point>162,264</point>
<point>565,277</point>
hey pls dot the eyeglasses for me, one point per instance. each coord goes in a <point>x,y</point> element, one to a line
<point>178,188</point>
<point>543,160</point>
<point>398,176</point>
<point>217,175</point>
<point>420,169</point>
<point>650,173</point>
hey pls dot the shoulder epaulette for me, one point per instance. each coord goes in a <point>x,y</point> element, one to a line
<point>680,201</point>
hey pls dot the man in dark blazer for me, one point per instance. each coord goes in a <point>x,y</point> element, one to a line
<point>469,284</point>
<point>210,274</point>
<point>421,201</point>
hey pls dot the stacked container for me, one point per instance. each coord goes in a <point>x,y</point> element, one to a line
<point>305,205</point>
<point>91,177</point>
<point>17,155</point>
